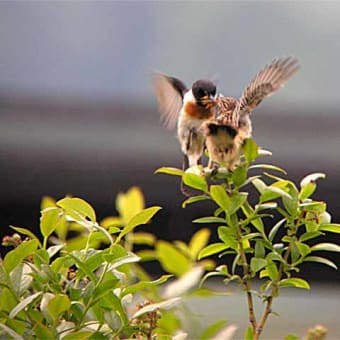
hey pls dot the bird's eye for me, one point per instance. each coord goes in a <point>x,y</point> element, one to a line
<point>201,93</point>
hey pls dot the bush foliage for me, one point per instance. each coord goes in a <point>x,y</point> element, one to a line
<point>82,278</point>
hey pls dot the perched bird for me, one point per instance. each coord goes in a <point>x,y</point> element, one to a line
<point>188,108</point>
<point>225,135</point>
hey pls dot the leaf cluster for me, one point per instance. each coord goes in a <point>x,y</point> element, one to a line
<point>261,247</point>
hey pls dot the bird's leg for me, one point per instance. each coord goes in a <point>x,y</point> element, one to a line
<point>185,164</point>
<point>210,164</point>
<point>214,170</point>
<point>213,167</point>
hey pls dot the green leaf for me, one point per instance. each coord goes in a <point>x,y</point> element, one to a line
<point>236,262</point>
<point>168,322</point>
<point>78,209</point>
<point>212,330</point>
<point>291,337</point>
<point>255,220</point>
<point>23,304</point>
<point>143,238</point>
<point>219,195</point>
<point>129,258</point>
<point>320,260</point>
<point>104,288</point>
<point>11,332</point>
<point>93,262</point>
<point>103,233</point>
<point>198,242</point>
<point>250,150</point>
<point>43,332</point>
<point>147,255</point>
<point>314,206</point>
<point>49,221</point>
<point>17,255</point>
<point>79,335</point>
<point>212,249</point>
<point>195,199</point>
<point>129,204</point>
<point>82,266</point>
<point>326,247</point>
<point>239,176</point>
<point>332,228</point>
<point>227,332</point>
<point>264,206</point>
<point>142,217</point>
<point>275,229</point>
<point>144,285</point>
<point>274,256</point>
<point>257,264</point>
<point>20,277</point>
<point>294,250</point>
<point>309,235</point>
<point>195,181</point>
<point>59,304</point>
<point>185,283</point>
<point>294,282</point>
<point>167,304</point>
<point>249,334</point>
<point>268,167</point>
<point>112,222</point>
<point>310,223</point>
<point>259,249</point>
<point>209,219</point>
<point>307,191</point>
<point>114,230</point>
<point>272,192</point>
<point>259,185</point>
<point>272,270</point>
<point>26,232</point>
<point>228,236</point>
<point>47,202</point>
<point>171,259</point>
<point>312,178</point>
<point>169,171</point>
<point>304,249</point>
<point>237,200</point>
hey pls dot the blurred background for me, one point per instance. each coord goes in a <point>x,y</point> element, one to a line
<point>78,114</point>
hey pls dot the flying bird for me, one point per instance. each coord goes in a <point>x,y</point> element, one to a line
<point>188,109</point>
<point>226,134</point>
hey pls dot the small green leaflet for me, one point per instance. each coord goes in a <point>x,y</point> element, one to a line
<point>169,171</point>
<point>294,282</point>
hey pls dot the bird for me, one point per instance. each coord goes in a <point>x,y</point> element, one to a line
<point>188,109</point>
<point>226,134</point>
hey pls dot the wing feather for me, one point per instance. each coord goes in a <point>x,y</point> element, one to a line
<point>227,110</point>
<point>169,92</point>
<point>267,81</point>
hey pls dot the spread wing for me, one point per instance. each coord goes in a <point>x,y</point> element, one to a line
<point>169,92</point>
<point>267,81</point>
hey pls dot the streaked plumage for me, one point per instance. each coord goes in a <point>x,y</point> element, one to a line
<point>188,108</point>
<point>225,135</point>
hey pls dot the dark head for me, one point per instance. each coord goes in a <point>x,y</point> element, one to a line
<point>204,92</point>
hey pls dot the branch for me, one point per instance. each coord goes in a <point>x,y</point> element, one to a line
<point>246,283</point>
<point>270,299</point>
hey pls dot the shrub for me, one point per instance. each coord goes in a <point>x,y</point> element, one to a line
<point>82,279</point>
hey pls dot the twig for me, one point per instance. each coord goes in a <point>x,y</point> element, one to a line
<point>268,309</point>
<point>246,283</point>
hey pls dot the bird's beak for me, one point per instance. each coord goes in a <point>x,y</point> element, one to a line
<point>209,101</point>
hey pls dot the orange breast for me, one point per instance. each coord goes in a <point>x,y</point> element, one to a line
<point>198,112</point>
